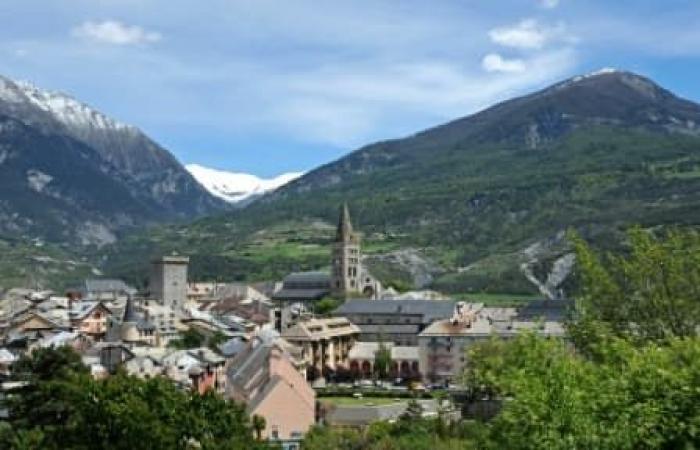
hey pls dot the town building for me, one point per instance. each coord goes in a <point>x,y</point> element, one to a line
<point>168,281</point>
<point>443,345</point>
<point>167,321</point>
<point>200,369</point>
<point>248,314</point>
<point>132,329</point>
<point>90,318</point>
<point>7,359</point>
<point>143,365</point>
<point>264,376</point>
<point>397,321</point>
<point>300,292</point>
<point>197,292</point>
<point>405,360</point>
<point>103,289</point>
<point>325,343</point>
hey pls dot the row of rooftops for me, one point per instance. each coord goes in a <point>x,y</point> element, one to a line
<point>428,310</point>
<point>319,329</point>
<point>475,320</point>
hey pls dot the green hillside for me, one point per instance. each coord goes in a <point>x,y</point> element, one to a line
<point>476,197</point>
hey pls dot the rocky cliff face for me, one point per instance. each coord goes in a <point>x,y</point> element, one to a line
<point>71,173</point>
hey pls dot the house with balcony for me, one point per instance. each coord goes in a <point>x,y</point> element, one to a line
<point>325,343</point>
<point>405,361</point>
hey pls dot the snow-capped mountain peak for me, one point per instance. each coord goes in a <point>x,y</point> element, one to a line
<point>595,73</point>
<point>237,187</point>
<point>61,107</point>
<point>66,109</point>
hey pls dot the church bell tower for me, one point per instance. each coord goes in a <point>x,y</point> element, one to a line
<point>345,278</point>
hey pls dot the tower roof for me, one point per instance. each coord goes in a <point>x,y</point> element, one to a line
<point>130,312</point>
<point>345,232</point>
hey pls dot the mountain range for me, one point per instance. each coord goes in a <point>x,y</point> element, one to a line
<point>68,173</point>
<point>481,203</point>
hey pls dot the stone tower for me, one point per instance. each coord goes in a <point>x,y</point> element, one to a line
<point>168,283</point>
<point>128,329</point>
<point>346,274</point>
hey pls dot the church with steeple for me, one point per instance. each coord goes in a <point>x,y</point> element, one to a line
<point>348,279</point>
<point>348,276</point>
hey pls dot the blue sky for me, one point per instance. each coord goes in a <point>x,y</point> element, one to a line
<point>267,86</point>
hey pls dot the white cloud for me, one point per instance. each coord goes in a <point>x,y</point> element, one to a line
<point>493,62</point>
<point>297,74</point>
<point>115,32</point>
<point>528,34</point>
<point>549,4</point>
<point>353,104</point>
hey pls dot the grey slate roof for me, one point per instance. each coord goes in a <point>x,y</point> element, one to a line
<point>304,286</point>
<point>107,285</point>
<point>301,294</point>
<point>130,315</point>
<point>549,310</point>
<point>129,312</point>
<point>308,277</point>
<point>431,310</point>
<point>249,368</point>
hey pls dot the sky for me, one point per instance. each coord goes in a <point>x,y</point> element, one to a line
<point>267,87</point>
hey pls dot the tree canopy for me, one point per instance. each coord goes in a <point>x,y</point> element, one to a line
<point>626,377</point>
<point>649,293</point>
<point>62,407</point>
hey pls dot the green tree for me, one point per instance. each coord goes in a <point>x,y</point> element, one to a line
<point>382,360</point>
<point>650,293</point>
<point>419,434</point>
<point>630,397</point>
<point>259,424</point>
<point>70,410</point>
<point>327,305</point>
<point>216,339</point>
<point>190,338</point>
<point>414,411</point>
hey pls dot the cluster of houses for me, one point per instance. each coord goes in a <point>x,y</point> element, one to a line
<point>262,344</point>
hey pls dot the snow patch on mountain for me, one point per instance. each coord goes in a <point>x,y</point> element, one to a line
<point>62,107</point>
<point>578,78</point>
<point>603,71</point>
<point>66,109</point>
<point>237,187</point>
